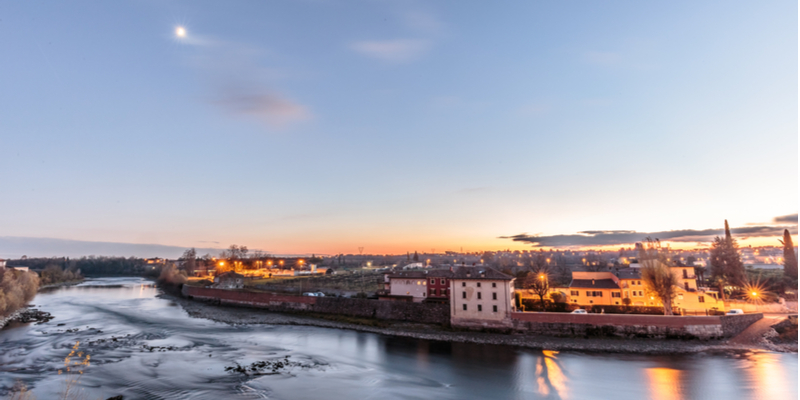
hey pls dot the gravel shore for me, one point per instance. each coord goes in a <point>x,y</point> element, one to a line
<point>250,316</point>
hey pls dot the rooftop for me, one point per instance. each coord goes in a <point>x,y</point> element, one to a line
<point>480,273</point>
<point>594,284</point>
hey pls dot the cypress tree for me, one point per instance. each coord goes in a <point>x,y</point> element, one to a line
<point>789,257</point>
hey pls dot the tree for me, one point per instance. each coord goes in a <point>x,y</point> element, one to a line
<point>190,259</point>
<point>789,257</point>
<point>538,280</point>
<point>656,274</point>
<point>726,263</point>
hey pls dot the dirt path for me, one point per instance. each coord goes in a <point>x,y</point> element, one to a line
<point>754,333</point>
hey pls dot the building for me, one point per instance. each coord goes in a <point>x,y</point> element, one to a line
<point>594,288</point>
<point>481,297</point>
<point>2,263</point>
<point>606,288</point>
<point>439,285</point>
<point>406,286</point>
<point>229,280</point>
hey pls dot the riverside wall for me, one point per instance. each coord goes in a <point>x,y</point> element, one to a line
<point>626,325</point>
<point>362,308</point>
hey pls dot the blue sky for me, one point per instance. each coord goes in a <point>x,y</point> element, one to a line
<point>322,126</point>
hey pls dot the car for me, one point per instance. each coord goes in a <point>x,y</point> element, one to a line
<point>579,311</point>
<point>734,311</point>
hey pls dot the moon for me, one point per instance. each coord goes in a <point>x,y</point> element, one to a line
<point>180,31</point>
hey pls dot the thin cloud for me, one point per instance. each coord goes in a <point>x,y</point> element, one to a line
<point>240,85</point>
<point>786,219</point>
<point>621,237</point>
<point>395,51</point>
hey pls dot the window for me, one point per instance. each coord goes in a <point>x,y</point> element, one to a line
<point>494,308</point>
<point>574,293</point>
<point>463,295</point>
<point>433,281</point>
<point>686,285</point>
<point>616,294</point>
<point>494,284</point>
<point>494,296</point>
<point>424,294</point>
<point>479,297</point>
<point>626,294</point>
<point>442,282</point>
<point>436,292</point>
<point>463,284</point>
<point>639,283</point>
<point>701,299</point>
<point>479,284</point>
<point>480,307</point>
<point>685,274</point>
<point>588,294</point>
<point>465,307</point>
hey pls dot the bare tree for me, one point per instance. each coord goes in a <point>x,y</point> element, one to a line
<point>656,274</point>
<point>538,280</point>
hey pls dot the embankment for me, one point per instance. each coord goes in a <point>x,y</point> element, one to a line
<point>361,308</point>
<point>640,326</point>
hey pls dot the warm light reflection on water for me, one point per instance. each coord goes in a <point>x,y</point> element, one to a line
<point>767,377</point>
<point>664,383</point>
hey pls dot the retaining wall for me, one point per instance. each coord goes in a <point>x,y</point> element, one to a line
<point>388,310</point>
<point>650,326</point>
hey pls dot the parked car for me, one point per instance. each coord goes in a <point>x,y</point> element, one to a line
<point>314,294</point>
<point>734,311</point>
<point>579,311</point>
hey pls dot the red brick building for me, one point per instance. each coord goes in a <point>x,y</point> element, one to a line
<point>439,284</point>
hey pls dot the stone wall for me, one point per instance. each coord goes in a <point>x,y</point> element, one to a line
<point>364,308</point>
<point>646,326</point>
<point>733,325</point>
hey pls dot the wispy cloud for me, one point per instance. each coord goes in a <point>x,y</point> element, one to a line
<point>622,237</point>
<point>786,219</point>
<point>400,50</point>
<point>240,85</point>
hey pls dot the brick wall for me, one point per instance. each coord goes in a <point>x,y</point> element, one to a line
<point>650,326</point>
<point>388,310</point>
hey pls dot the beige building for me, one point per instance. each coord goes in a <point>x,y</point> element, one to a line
<point>594,288</point>
<point>689,298</point>
<point>413,285</point>
<point>481,297</point>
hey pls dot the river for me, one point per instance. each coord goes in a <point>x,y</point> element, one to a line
<point>189,356</point>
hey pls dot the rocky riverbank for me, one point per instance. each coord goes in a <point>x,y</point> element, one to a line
<point>25,315</point>
<point>237,316</point>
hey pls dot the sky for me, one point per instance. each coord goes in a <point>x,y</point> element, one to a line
<point>318,126</point>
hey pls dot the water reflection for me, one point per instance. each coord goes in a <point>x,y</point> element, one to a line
<point>664,383</point>
<point>355,364</point>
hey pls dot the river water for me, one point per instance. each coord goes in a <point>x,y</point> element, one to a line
<point>189,357</point>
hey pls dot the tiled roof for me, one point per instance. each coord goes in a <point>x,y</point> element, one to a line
<point>594,284</point>
<point>629,273</point>
<point>436,273</point>
<point>480,273</point>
